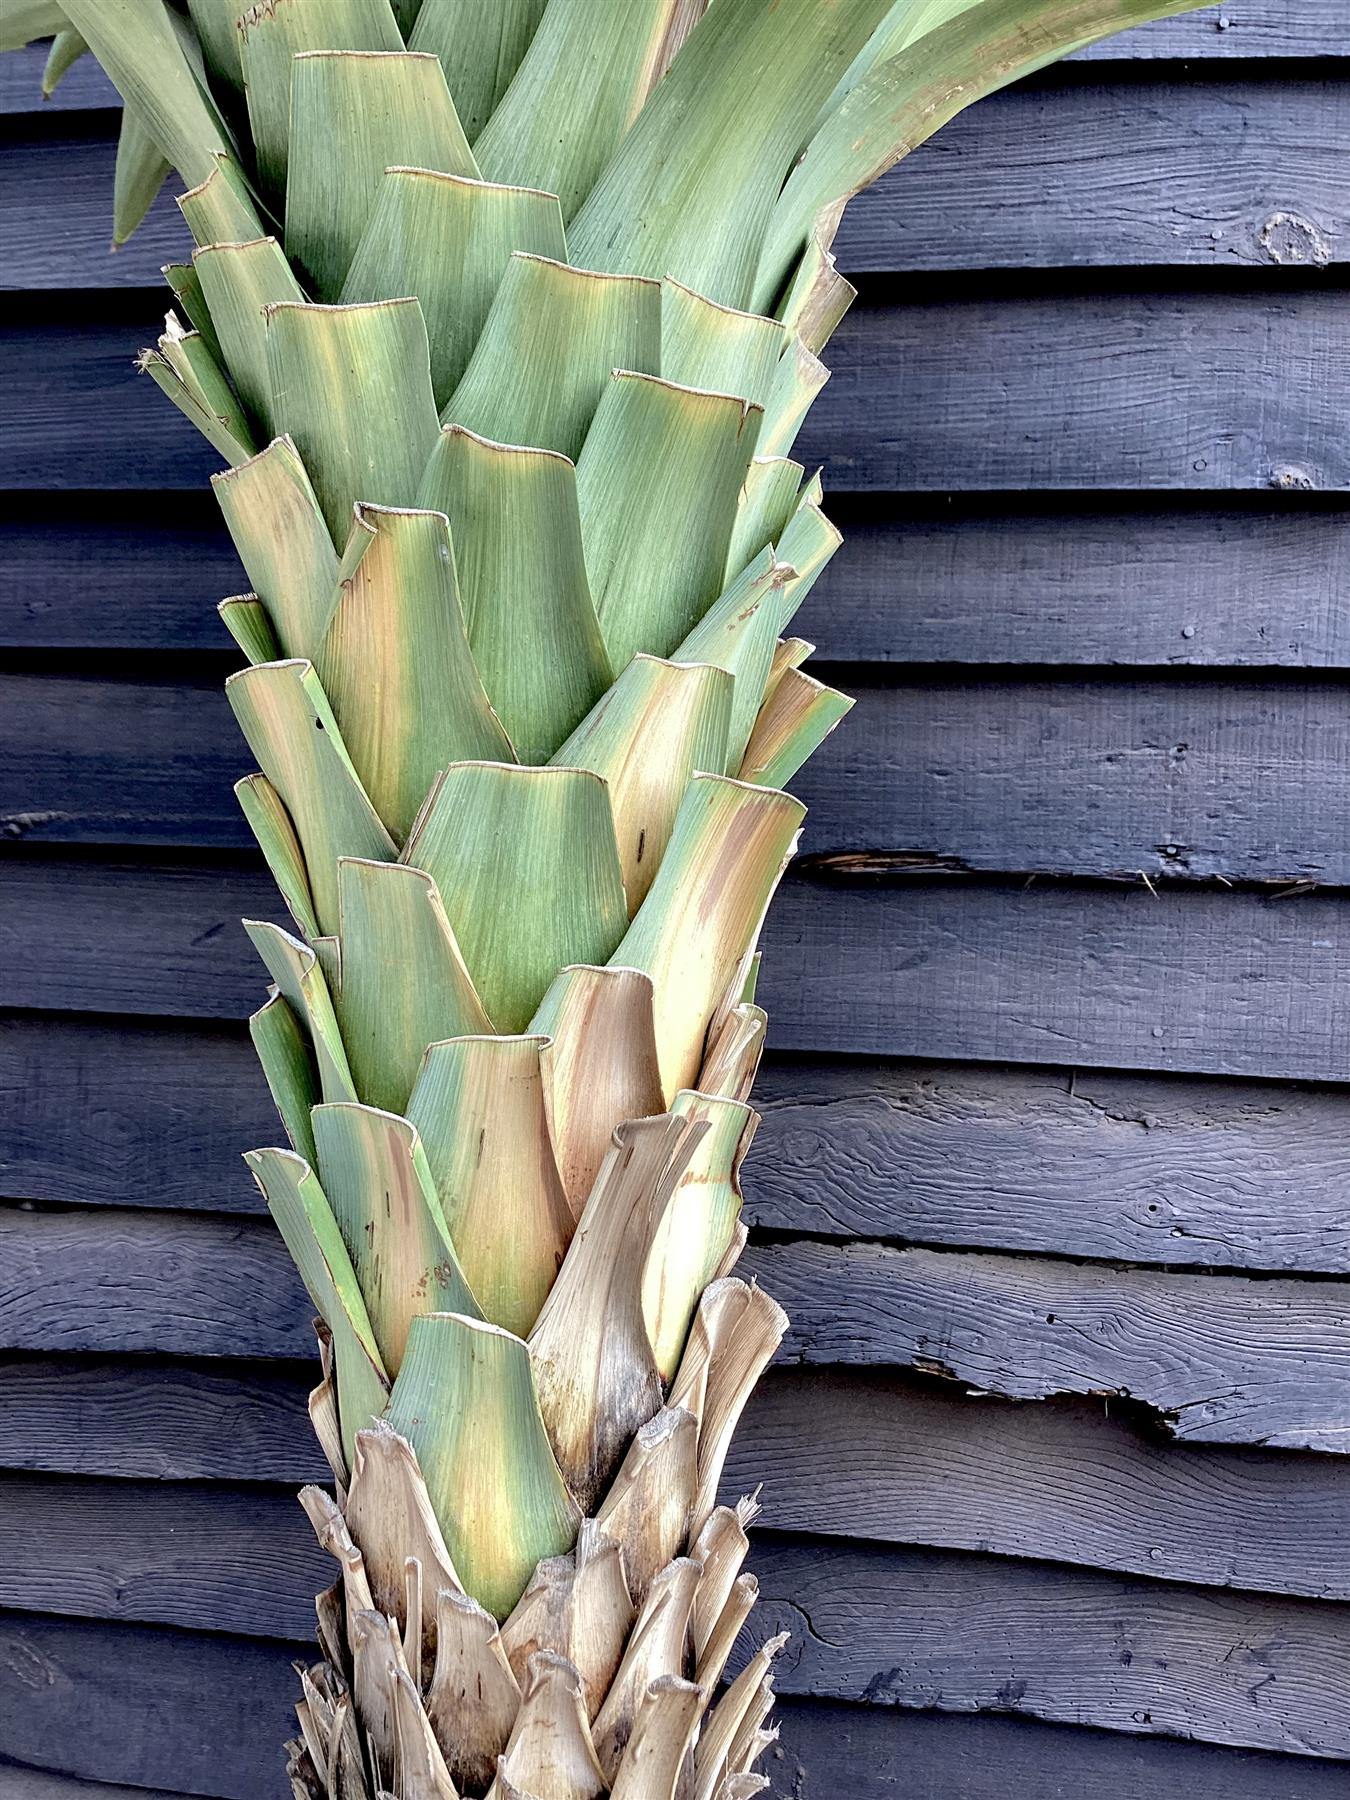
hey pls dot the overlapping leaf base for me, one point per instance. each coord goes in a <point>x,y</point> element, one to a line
<point>504,318</point>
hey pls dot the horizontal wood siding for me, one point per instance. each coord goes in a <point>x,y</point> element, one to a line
<point>1054,1174</point>
<point>1281,196</point>
<point>922,581</point>
<point>1086,1482</point>
<point>1170,392</point>
<point>1211,981</point>
<point>1172,777</point>
<point>1156,1169</point>
<point>1218,1358</point>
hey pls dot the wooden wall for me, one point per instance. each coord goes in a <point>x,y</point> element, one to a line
<point>1055,1174</point>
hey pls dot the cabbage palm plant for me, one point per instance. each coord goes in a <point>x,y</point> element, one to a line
<point>503,318</point>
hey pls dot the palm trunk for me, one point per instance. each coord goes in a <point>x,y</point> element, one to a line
<point>507,423</point>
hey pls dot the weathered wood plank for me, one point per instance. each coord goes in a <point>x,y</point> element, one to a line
<point>876,1753</point>
<point>929,1628</point>
<point>881,1459</point>
<point>121,1703</point>
<point>974,1634</point>
<point>32,1784</point>
<point>245,1559</point>
<point>1180,777</point>
<point>169,1421</point>
<point>182,1553</point>
<point>84,89</point>
<point>933,583</point>
<point>1035,177</point>
<point>1248,28</point>
<point>1154,1169</point>
<point>1148,1169</point>
<point>1204,981</point>
<point>1073,391</point>
<point>135,580</point>
<point>150,1284</point>
<point>1083,176</point>
<point>843,1455</point>
<point>929,583</point>
<point>1189,778</point>
<point>1219,1358</point>
<point>207,1712</point>
<point>1207,982</point>
<point>1171,392</point>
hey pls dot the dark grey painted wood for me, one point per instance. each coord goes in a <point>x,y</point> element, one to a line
<point>876,1753</point>
<point>975,1634</point>
<point>183,1553</point>
<point>1074,391</point>
<point>32,1784</point>
<point>1154,1169</point>
<point>1203,981</point>
<point>138,581</point>
<point>168,1421</point>
<point>121,1703</point>
<point>1219,1358</point>
<point>927,583</point>
<point>969,584</point>
<point>150,1283</point>
<point>840,1453</point>
<point>1179,777</point>
<point>1063,177</point>
<point>1171,392</point>
<point>1248,28</point>
<point>207,1712</point>
<point>84,88</point>
<point>1208,981</point>
<point>1077,176</point>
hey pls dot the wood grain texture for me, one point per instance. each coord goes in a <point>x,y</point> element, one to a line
<point>1161,392</point>
<point>124,1704</point>
<point>132,580</point>
<point>1075,391</point>
<point>183,1553</point>
<point>1218,1358</point>
<point>877,1753</point>
<point>1204,981</point>
<point>1052,176</point>
<point>169,1421</point>
<point>249,1562</point>
<point>1208,981</point>
<point>1149,1169</point>
<point>840,1453</point>
<point>1036,177</point>
<point>1248,28</point>
<point>974,1634</point>
<point>928,582</point>
<point>937,583</point>
<point>1153,1169</point>
<point>102,1697</point>
<point>845,1455</point>
<point>18,1783</point>
<point>1183,777</point>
